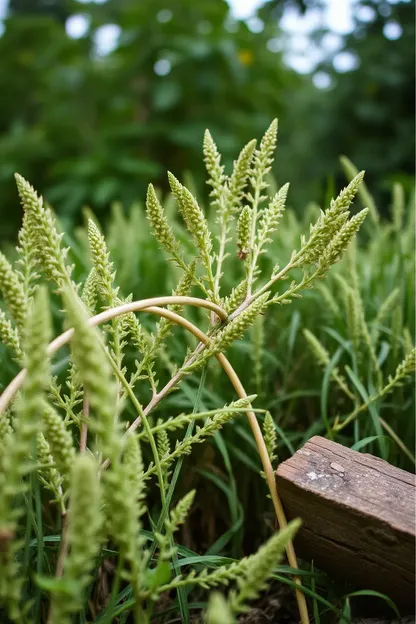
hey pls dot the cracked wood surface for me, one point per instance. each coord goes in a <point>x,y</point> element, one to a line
<point>358,516</point>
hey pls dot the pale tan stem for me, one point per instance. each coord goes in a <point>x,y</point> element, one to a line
<point>271,482</point>
<point>145,305</point>
<point>170,384</point>
<point>63,546</point>
<point>63,551</point>
<point>84,425</point>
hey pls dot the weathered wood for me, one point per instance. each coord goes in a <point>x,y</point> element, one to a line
<point>404,620</point>
<point>358,516</point>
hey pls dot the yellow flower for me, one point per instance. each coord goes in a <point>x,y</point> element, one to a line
<point>245,57</point>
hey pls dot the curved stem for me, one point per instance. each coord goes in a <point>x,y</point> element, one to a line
<point>271,482</point>
<point>232,375</point>
<point>107,315</point>
<point>261,446</point>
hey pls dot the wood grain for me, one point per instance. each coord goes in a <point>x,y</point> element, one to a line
<point>358,516</point>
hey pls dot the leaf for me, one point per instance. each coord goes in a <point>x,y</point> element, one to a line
<point>375,594</point>
<point>56,585</point>
<point>373,412</point>
<point>325,386</point>
<point>237,514</point>
<point>160,575</point>
<point>365,442</point>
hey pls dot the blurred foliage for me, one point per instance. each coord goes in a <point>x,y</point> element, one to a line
<point>379,129</point>
<point>367,113</point>
<point>92,128</point>
<point>53,8</point>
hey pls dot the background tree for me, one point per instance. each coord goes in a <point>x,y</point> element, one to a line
<point>90,125</point>
<point>55,8</point>
<point>372,109</point>
<point>91,128</point>
<point>368,112</point>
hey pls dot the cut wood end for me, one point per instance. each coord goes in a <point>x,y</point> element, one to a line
<point>358,515</point>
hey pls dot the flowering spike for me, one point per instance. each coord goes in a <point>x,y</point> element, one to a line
<point>41,227</point>
<point>160,226</point>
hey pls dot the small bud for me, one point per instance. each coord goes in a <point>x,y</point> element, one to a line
<point>244,226</point>
<point>9,335</point>
<point>340,242</point>
<point>42,229</point>
<point>234,330</point>
<point>104,271</point>
<point>160,226</point>
<point>317,348</point>
<point>59,440</point>
<point>194,218</point>
<point>12,291</point>
<point>212,159</point>
<point>239,177</point>
<point>367,200</point>
<point>272,215</point>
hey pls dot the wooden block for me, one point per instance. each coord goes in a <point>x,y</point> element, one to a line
<point>358,516</point>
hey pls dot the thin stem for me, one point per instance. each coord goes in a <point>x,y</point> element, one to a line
<point>210,276</point>
<point>364,406</point>
<point>179,260</point>
<point>142,417</point>
<point>158,465</point>
<point>342,385</point>
<point>63,551</point>
<point>178,467</point>
<point>165,425</point>
<point>182,593</point>
<point>114,591</point>
<point>173,381</point>
<point>398,441</point>
<point>220,257</point>
<point>271,482</point>
<point>84,425</point>
<point>304,283</point>
<point>251,297</point>
<point>255,252</point>
<point>253,257</point>
<point>39,536</point>
<point>63,546</point>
